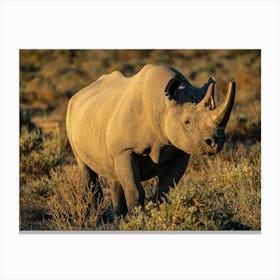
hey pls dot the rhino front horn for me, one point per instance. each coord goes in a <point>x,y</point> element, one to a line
<point>221,114</point>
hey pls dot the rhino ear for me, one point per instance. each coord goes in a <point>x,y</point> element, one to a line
<point>172,87</point>
<point>208,100</point>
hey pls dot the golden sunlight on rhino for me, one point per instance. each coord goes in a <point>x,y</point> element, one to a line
<point>145,140</point>
<point>131,129</point>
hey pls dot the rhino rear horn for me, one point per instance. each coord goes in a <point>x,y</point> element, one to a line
<point>208,100</point>
<point>172,87</point>
<point>221,114</point>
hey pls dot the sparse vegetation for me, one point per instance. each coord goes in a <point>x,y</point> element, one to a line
<point>72,206</point>
<point>39,153</point>
<point>228,200</point>
<point>222,192</point>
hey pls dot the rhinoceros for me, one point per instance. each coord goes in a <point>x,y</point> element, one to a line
<point>130,129</point>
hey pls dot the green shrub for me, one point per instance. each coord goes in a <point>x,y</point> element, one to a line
<point>229,201</point>
<point>39,153</point>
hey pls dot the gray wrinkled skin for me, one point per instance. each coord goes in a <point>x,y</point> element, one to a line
<point>126,130</point>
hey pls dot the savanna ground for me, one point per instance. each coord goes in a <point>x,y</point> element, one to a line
<point>222,192</point>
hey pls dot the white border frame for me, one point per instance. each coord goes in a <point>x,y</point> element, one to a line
<point>154,24</point>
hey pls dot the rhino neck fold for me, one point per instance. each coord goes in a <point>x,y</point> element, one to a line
<point>155,105</point>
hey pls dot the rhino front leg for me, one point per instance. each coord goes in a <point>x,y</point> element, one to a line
<point>129,177</point>
<point>171,173</point>
<point>118,198</point>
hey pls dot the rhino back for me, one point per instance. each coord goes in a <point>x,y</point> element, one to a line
<point>136,122</point>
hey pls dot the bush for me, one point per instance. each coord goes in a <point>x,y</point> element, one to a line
<point>229,201</point>
<point>72,206</point>
<point>39,153</point>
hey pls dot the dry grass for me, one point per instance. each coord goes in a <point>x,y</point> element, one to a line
<point>218,193</point>
<point>60,202</point>
<point>222,192</point>
<point>72,206</point>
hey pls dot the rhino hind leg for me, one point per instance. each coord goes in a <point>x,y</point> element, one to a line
<point>118,198</point>
<point>90,177</point>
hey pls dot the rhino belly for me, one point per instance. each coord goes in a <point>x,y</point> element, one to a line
<point>97,161</point>
<point>147,167</point>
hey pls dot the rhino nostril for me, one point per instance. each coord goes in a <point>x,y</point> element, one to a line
<point>210,142</point>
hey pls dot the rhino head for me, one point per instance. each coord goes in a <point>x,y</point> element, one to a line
<point>193,123</point>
